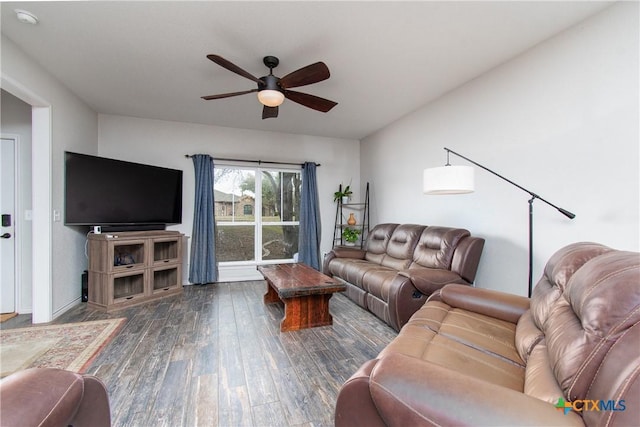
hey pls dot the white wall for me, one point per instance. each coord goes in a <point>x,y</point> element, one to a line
<point>164,143</point>
<point>74,127</point>
<point>560,120</point>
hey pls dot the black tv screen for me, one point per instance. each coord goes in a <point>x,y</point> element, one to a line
<point>108,192</point>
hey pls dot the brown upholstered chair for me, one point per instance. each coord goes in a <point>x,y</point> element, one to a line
<point>53,397</point>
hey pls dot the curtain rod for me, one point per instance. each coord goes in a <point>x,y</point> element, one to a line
<point>252,161</point>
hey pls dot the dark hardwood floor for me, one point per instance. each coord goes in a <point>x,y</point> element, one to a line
<point>215,356</point>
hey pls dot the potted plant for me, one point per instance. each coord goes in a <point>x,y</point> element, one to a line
<point>350,235</point>
<point>343,194</point>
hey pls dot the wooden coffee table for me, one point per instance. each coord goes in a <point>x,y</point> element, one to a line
<point>304,291</point>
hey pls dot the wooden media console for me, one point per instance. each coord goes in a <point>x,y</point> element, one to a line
<point>129,268</point>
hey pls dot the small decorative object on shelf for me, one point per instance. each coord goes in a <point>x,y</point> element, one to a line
<point>351,220</point>
<point>342,194</point>
<point>351,235</point>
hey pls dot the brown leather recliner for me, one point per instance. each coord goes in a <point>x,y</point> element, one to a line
<point>53,397</point>
<point>469,356</point>
<point>401,265</point>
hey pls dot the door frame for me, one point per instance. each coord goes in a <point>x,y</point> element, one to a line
<point>41,172</point>
<point>17,231</point>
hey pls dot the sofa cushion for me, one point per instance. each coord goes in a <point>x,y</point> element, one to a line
<point>470,343</point>
<point>377,281</point>
<point>436,246</point>
<point>527,335</point>
<point>377,242</point>
<point>401,245</point>
<point>602,303</point>
<point>350,269</point>
<point>539,381</point>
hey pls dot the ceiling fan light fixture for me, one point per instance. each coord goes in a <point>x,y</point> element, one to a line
<point>270,97</point>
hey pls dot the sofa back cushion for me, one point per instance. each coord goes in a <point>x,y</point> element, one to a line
<point>587,300</point>
<point>436,246</point>
<point>401,245</point>
<point>604,298</point>
<point>377,242</point>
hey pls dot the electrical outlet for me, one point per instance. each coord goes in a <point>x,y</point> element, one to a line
<point>56,215</point>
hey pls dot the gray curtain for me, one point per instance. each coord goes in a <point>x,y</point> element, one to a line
<point>309,238</point>
<point>203,267</point>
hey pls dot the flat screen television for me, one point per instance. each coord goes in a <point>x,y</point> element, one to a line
<point>120,195</point>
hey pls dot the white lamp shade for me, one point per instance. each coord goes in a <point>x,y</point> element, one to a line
<point>448,180</point>
<point>271,98</point>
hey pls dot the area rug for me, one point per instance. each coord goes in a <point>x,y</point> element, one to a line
<point>70,346</point>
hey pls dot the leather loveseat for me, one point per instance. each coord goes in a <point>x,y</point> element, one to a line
<point>53,397</point>
<point>402,265</point>
<point>569,356</point>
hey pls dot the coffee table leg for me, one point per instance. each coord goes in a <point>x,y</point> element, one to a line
<point>306,312</point>
<point>271,296</point>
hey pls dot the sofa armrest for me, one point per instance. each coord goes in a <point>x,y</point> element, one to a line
<point>499,305</point>
<point>354,407</point>
<point>341,252</point>
<point>429,280</point>
<point>467,257</point>
<point>409,391</point>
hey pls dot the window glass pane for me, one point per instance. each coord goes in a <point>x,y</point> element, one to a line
<point>279,241</point>
<point>280,196</point>
<point>234,194</point>
<point>291,186</point>
<point>241,207</point>
<point>235,242</point>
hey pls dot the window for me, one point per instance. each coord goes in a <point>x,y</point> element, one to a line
<point>243,235</point>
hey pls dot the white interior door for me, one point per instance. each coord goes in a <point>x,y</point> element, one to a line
<point>7,227</point>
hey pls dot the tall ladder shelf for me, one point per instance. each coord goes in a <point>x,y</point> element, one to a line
<point>360,211</point>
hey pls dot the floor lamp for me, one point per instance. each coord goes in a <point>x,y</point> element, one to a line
<point>459,179</point>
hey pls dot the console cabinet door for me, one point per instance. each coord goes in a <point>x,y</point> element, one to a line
<point>127,255</point>
<point>166,279</point>
<point>166,251</point>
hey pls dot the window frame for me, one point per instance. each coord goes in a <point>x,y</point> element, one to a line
<point>258,222</point>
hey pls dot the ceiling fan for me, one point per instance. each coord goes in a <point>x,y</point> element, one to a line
<point>273,90</point>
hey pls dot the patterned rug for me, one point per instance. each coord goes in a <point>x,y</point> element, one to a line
<point>71,346</point>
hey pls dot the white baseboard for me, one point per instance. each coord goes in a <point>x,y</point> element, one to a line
<point>66,307</point>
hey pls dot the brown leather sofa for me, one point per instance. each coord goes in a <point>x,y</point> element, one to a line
<point>469,356</point>
<point>402,265</point>
<point>53,397</point>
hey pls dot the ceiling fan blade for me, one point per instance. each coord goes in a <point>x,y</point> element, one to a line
<point>269,112</point>
<point>313,73</point>
<point>227,95</point>
<point>232,67</point>
<point>311,101</point>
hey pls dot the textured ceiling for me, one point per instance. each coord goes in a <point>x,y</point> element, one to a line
<point>148,59</point>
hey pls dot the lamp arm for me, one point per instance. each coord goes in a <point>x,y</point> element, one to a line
<point>531,193</point>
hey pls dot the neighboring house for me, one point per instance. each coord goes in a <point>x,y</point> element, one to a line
<point>229,204</point>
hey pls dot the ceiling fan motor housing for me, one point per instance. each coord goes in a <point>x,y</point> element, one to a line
<point>269,82</point>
